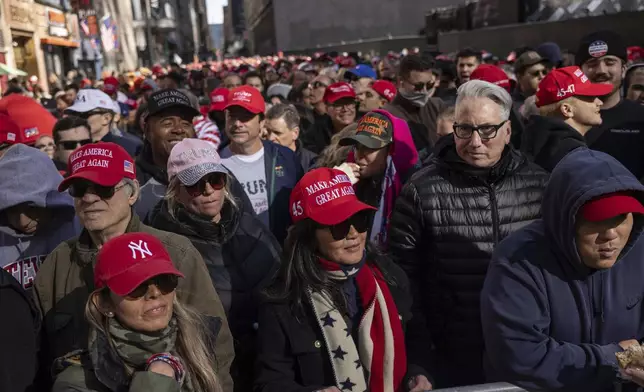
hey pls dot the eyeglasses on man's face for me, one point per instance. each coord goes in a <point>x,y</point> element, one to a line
<point>485,131</point>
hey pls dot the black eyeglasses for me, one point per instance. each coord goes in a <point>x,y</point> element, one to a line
<point>359,221</point>
<point>74,144</point>
<point>80,188</point>
<point>166,284</point>
<point>216,180</point>
<point>540,72</point>
<point>486,132</point>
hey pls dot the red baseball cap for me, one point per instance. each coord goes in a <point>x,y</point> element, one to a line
<point>102,163</point>
<point>247,97</point>
<point>11,133</point>
<point>127,261</point>
<point>611,205</point>
<point>492,74</point>
<point>385,89</point>
<point>562,83</point>
<point>218,99</point>
<point>325,196</point>
<point>337,91</point>
<point>110,85</point>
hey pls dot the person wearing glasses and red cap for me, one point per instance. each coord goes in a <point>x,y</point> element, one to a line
<point>103,185</point>
<point>241,254</point>
<point>570,106</point>
<point>142,336</point>
<point>266,171</point>
<point>341,108</point>
<point>334,320</point>
<point>563,295</point>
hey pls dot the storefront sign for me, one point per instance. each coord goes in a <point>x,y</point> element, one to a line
<point>20,15</point>
<point>57,24</point>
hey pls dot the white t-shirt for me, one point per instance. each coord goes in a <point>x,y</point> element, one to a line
<point>251,174</point>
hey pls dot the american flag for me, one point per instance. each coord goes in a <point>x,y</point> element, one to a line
<point>128,167</point>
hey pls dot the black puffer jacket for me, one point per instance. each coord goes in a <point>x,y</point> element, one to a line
<point>547,140</point>
<point>242,256</point>
<point>445,225</point>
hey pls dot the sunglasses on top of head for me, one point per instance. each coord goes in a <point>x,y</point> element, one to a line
<point>359,221</point>
<point>216,180</point>
<point>166,284</point>
<point>79,188</point>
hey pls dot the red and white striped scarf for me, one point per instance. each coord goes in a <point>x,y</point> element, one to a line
<point>378,362</point>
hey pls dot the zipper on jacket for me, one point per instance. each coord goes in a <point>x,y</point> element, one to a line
<point>495,215</point>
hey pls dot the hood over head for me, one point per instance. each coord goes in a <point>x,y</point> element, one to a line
<point>28,176</point>
<point>403,150</point>
<point>580,176</point>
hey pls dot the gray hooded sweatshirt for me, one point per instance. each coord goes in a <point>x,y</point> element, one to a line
<point>27,176</point>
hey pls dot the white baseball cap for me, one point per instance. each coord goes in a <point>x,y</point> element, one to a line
<point>91,99</point>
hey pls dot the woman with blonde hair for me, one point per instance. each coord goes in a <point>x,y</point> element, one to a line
<point>241,254</point>
<point>141,337</point>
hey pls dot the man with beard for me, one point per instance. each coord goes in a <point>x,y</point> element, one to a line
<point>414,103</point>
<point>602,56</point>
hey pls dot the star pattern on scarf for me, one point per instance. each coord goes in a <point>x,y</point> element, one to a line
<point>358,363</point>
<point>328,320</point>
<point>339,353</point>
<point>347,384</point>
<point>348,331</point>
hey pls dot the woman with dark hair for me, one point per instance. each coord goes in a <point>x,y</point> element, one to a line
<point>300,97</point>
<point>334,319</point>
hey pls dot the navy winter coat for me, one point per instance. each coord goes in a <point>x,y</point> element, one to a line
<point>549,322</point>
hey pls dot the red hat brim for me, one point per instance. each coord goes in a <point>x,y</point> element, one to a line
<point>338,213</point>
<point>593,89</point>
<point>251,108</point>
<point>127,281</point>
<point>103,178</point>
<point>611,206</point>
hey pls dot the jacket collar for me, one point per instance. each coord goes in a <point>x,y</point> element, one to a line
<point>144,162</point>
<point>405,104</point>
<point>86,249</point>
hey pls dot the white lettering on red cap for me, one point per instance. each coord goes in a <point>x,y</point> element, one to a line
<point>564,92</point>
<point>141,248</point>
<point>218,98</point>
<point>322,185</point>
<point>341,89</point>
<point>388,93</point>
<point>244,96</point>
<point>334,194</point>
<point>100,152</point>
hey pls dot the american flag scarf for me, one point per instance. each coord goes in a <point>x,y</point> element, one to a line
<point>378,362</point>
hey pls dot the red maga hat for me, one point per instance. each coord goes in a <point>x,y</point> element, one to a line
<point>385,89</point>
<point>102,163</point>
<point>219,99</point>
<point>326,196</point>
<point>562,83</point>
<point>129,260</point>
<point>337,91</point>
<point>492,74</point>
<point>611,205</point>
<point>248,98</point>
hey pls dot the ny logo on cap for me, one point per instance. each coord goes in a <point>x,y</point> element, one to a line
<point>141,248</point>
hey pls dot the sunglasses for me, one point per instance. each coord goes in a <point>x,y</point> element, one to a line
<point>216,180</point>
<point>74,144</point>
<point>166,284</point>
<point>359,221</point>
<point>80,188</point>
<point>420,86</point>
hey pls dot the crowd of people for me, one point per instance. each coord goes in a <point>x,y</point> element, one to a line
<point>328,223</point>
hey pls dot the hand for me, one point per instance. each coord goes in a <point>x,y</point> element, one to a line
<point>329,389</point>
<point>355,168</point>
<point>624,344</point>
<point>420,384</point>
<point>161,367</point>
<point>635,374</point>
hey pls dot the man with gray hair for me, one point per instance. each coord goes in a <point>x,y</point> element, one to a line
<point>103,184</point>
<point>476,190</point>
<point>283,127</point>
